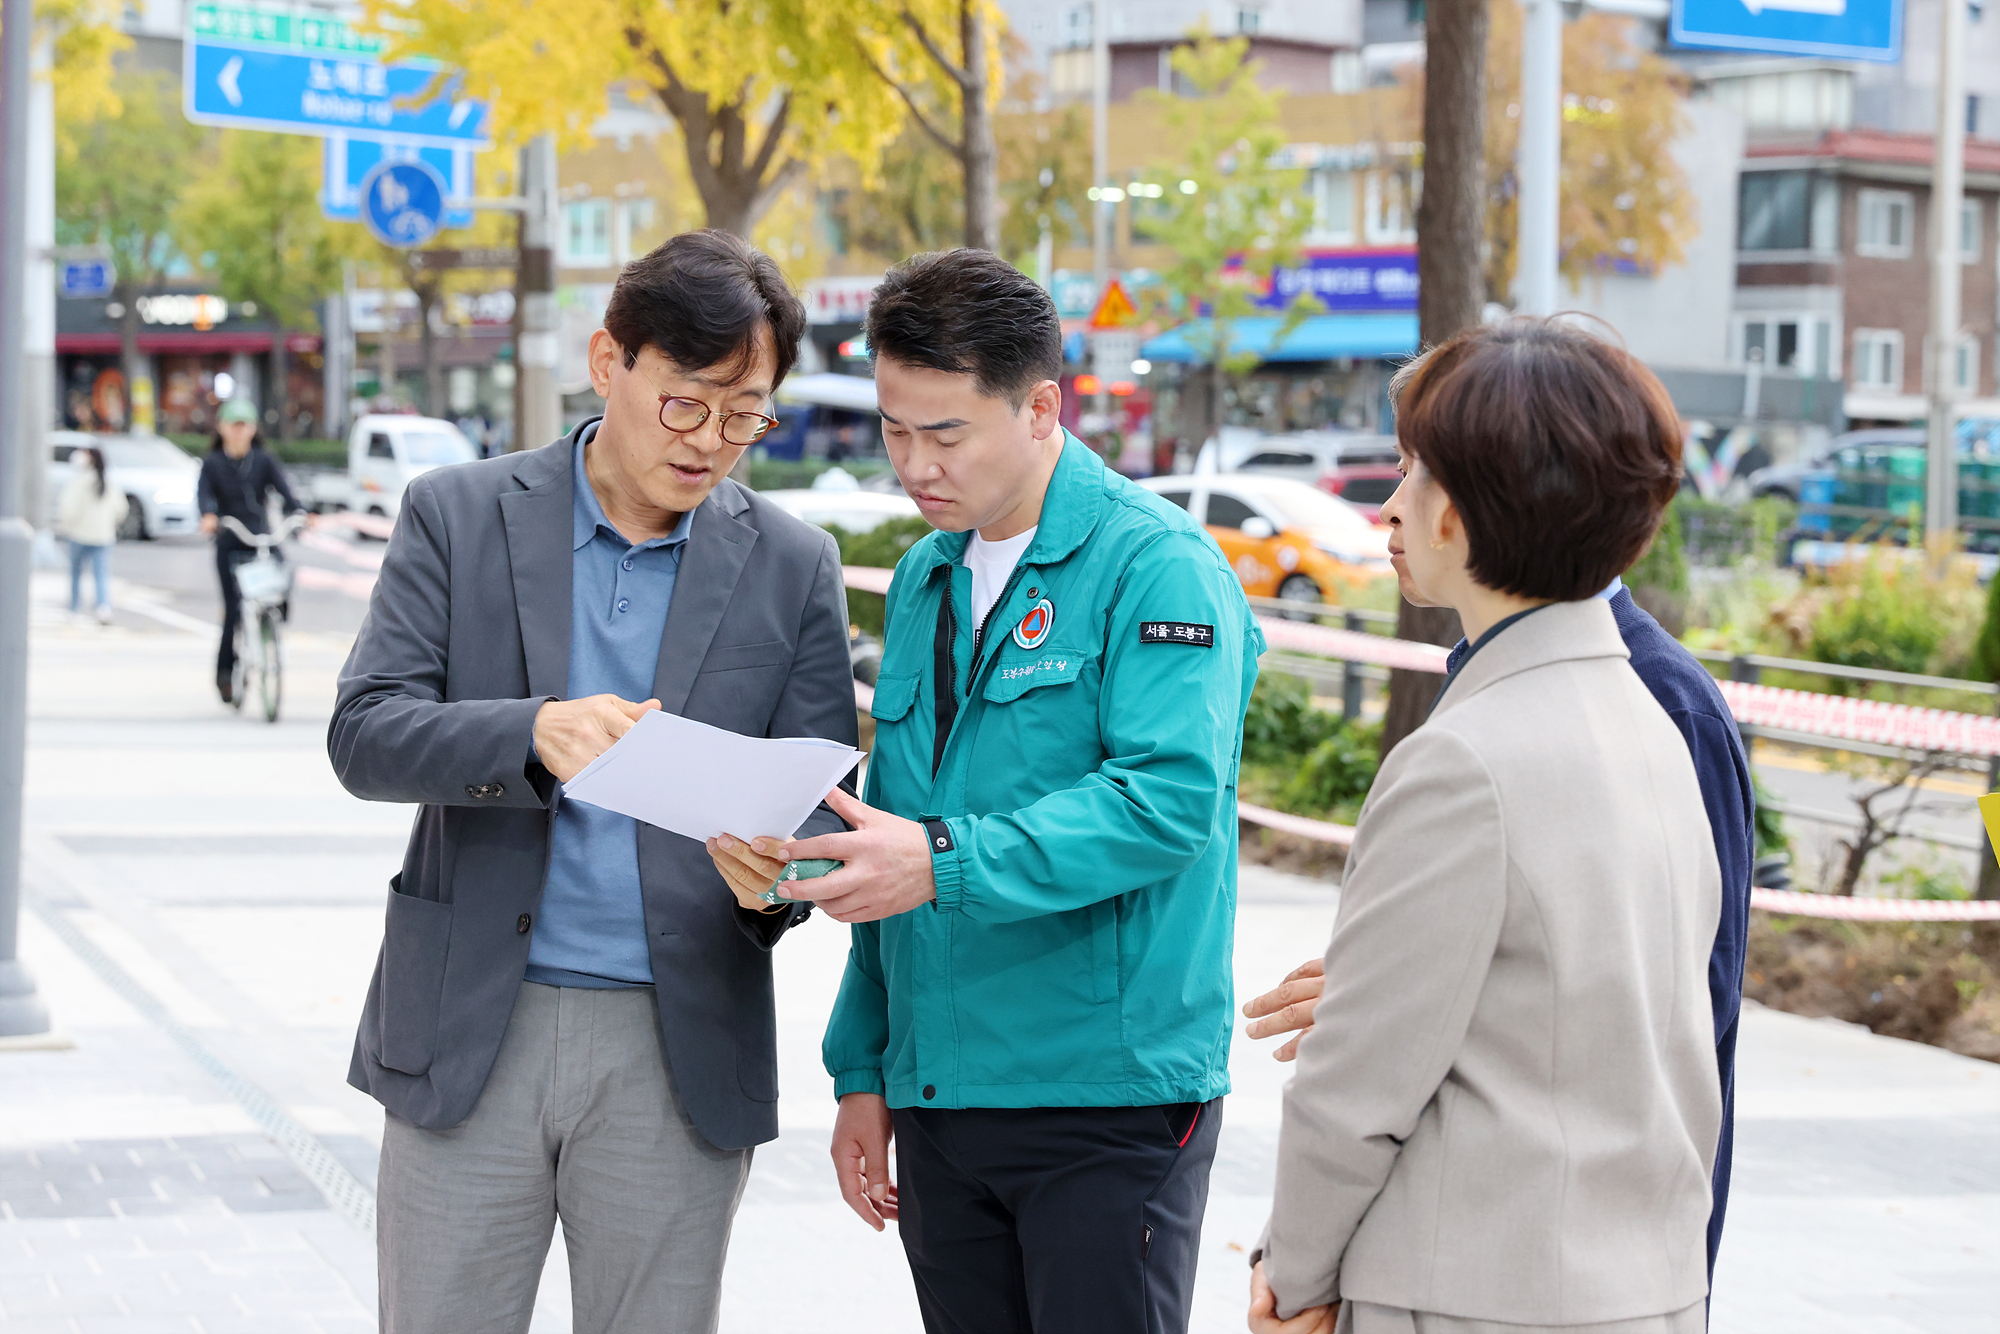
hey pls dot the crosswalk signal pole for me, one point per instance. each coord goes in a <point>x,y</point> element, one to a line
<point>22,1013</point>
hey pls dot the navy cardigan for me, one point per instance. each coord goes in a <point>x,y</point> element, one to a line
<point>1689,694</point>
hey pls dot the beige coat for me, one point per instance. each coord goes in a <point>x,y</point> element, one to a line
<point>1507,1108</point>
<point>87,518</point>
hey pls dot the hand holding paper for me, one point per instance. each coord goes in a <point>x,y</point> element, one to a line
<point>700,781</point>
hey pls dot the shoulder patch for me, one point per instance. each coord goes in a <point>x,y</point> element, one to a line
<point>1176,632</point>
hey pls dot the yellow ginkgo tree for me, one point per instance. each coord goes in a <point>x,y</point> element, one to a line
<point>764,91</point>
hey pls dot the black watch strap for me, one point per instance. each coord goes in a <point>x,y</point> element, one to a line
<point>940,836</point>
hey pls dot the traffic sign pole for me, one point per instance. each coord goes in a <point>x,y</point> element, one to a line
<point>538,415</point>
<point>1537,240</point>
<point>22,1013</point>
<point>1947,273</point>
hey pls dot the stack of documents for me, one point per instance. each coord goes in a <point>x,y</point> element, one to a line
<point>700,781</point>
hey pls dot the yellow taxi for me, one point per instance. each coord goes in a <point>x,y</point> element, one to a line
<point>1284,538</point>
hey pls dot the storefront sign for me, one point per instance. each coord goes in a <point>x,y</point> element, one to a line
<point>1348,280</point>
<point>839,300</point>
<point>202,311</point>
<point>86,277</point>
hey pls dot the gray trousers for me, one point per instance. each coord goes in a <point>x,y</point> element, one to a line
<point>579,1121</point>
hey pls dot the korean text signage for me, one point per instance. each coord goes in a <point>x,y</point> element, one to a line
<point>299,72</point>
<point>1347,280</point>
<point>1840,29</point>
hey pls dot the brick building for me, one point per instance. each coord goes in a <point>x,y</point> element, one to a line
<point>1833,271</point>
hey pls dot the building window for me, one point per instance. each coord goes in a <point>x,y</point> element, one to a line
<point>1249,20</point>
<point>1349,75</point>
<point>1389,212</point>
<point>1884,230</point>
<point>1971,224</point>
<point>1801,344</point>
<point>586,233</point>
<point>1333,207</point>
<point>1878,360</point>
<point>1774,213</point>
<point>1965,365</point>
<point>632,217</point>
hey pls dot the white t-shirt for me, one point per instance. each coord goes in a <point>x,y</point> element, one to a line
<point>992,564</point>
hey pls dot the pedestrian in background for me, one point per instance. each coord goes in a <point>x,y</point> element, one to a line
<point>1507,1108</point>
<point>1043,880</point>
<point>238,479</point>
<point>88,520</point>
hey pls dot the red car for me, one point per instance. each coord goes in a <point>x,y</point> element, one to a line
<point>1363,485</point>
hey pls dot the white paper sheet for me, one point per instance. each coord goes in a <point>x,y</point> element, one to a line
<point>700,781</point>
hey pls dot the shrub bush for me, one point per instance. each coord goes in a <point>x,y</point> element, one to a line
<point>1880,612</point>
<point>881,546</point>
<point>1335,773</point>
<point>1281,724</point>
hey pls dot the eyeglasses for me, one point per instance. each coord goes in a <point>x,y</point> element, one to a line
<point>681,415</point>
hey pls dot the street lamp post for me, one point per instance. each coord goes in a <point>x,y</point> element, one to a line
<point>1947,273</point>
<point>22,1013</point>
<point>1539,172</point>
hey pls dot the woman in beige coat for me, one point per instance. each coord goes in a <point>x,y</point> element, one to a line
<point>1506,1108</point>
<point>88,519</point>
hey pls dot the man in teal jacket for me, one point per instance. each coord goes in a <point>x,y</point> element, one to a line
<point>1043,875</point>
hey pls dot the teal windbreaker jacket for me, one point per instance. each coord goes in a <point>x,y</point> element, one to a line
<point>1078,952</point>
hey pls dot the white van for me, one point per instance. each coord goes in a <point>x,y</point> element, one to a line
<point>385,452</point>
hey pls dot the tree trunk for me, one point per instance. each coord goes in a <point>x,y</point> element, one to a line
<point>281,382</point>
<point>737,184</point>
<point>1451,225</point>
<point>129,358</point>
<point>978,153</point>
<point>434,401</point>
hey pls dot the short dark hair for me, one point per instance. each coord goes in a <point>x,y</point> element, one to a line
<point>968,312</point>
<point>1559,450</point>
<point>702,299</point>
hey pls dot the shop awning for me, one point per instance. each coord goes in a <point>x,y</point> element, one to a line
<point>1317,338</point>
<point>184,341</point>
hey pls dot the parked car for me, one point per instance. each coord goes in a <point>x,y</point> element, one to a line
<point>835,500</point>
<point>1285,538</point>
<point>385,453</point>
<point>1366,486</point>
<point>1304,456</point>
<point>156,475</point>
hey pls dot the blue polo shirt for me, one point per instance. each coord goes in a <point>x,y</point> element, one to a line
<point>591,931</point>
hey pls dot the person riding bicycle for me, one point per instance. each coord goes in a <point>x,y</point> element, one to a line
<point>237,476</point>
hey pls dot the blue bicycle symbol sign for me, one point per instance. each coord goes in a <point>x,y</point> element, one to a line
<point>403,203</point>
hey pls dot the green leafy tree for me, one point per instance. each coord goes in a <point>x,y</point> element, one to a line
<point>252,219</point>
<point>1226,215</point>
<point>120,189</point>
<point>1986,649</point>
<point>936,54</point>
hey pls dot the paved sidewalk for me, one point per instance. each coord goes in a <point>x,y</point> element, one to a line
<point>211,867</point>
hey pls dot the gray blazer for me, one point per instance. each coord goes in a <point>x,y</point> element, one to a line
<point>1508,1104</point>
<point>467,636</point>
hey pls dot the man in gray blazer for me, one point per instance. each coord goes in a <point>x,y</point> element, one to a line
<point>572,1015</point>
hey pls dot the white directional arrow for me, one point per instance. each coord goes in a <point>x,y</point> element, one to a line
<point>1833,8</point>
<point>225,79</point>
<point>459,111</point>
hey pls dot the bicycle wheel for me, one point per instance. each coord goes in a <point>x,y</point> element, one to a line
<point>239,675</point>
<point>270,676</point>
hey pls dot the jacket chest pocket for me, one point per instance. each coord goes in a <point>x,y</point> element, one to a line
<point>895,692</point>
<point>1013,678</point>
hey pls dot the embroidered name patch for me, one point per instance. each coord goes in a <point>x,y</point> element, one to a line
<point>1034,668</point>
<point>1176,632</point>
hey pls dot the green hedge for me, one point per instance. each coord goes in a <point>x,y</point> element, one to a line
<point>325,453</point>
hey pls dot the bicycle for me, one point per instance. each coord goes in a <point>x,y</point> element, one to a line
<point>264,586</point>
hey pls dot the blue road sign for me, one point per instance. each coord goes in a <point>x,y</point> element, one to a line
<point>269,70</point>
<point>86,277</point>
<point>1840,29</point>
<point>345,164</point>
<point>402,203</point>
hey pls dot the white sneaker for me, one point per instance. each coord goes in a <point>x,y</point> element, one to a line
<point>104,615</point>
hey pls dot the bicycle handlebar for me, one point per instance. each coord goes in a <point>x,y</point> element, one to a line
<point>288,525</point>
